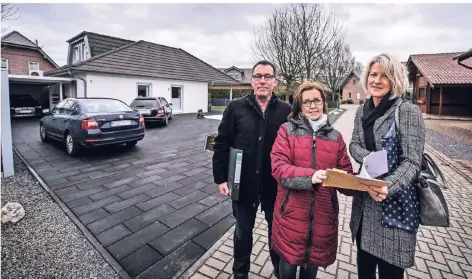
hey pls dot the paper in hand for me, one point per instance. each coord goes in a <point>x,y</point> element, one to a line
<point>374,165</point>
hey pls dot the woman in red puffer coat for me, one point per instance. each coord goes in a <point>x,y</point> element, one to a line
<point>305,224</point>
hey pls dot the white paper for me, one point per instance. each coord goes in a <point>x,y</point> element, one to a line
<point>374,165</point>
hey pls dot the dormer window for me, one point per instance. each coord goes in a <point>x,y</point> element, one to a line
<point>78,53</point>
<point>236,76</point>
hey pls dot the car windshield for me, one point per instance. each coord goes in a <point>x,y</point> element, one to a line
<point>149,103</point>
<point>103,105</point>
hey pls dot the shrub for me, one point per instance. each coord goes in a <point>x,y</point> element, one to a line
<point>350,101</point>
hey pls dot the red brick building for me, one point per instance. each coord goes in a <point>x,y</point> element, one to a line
<point>442,82</point>
<point>21,56</point>
<point>351,88</point>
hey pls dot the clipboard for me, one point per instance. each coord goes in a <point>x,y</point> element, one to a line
<point>341,179</point>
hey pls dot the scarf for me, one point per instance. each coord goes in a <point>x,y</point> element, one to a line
<point>318,123</point>
<point>372,113</point>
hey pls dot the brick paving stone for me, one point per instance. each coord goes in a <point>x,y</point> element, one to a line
<point>148,217</point>
<point>217,264</point>
<point>139,260</point>
<point>115,207</point>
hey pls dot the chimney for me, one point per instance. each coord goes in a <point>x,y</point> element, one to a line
<point>36,42</point>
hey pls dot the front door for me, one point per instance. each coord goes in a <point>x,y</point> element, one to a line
<point>177,98</point>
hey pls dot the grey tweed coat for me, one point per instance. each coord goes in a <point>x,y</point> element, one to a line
<point>395,246</point>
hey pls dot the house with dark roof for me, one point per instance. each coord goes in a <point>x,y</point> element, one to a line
<point>351,89</point>
<point>243,75</point>
<point>442,82</point>
<point>106,66</point>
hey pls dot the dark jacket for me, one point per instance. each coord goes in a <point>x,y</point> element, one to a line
<point>305,225</point>
<point>245,127</point>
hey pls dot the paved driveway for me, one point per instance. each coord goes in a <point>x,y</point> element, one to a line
<point>154,208</point>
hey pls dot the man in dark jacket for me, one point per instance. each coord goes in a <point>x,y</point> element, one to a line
<point>250,123</point>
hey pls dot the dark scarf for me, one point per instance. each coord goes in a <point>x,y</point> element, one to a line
<point>372,113</point>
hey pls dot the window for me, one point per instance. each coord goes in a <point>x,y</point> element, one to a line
<point>354,82</point>
<point>349,95</point>
<point>164,102</point>
<point>358,95</point>
<point>103,105</point>
<point>4,63</point>
<point>422,93</point>
<point>33,66</point>
<point>236,76</point>
<point>78,53</point>
<point>144,90</point>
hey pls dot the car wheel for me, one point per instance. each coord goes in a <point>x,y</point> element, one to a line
<point>170,116</point>
<point>71,147</point>
<point>131,143</point>
<point>43,134</point>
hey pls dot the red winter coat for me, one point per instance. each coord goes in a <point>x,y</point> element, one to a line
<point>305,224</point>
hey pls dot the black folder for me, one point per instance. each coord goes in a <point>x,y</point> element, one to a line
<point>234,172</point>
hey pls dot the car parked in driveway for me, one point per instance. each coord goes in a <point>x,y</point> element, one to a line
<point>153,109</point>
<point>24,106</point>
<point>92,122</point>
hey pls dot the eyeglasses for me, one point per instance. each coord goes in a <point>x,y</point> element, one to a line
<point>259,77</point>
<point>307,103</point>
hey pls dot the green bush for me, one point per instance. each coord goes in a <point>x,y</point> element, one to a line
<point>224,93</point>
<point>337,97</point>
<point>350,101</point>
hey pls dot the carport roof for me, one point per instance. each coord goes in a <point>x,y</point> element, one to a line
<point>148,59</point>
<point>37,79</point>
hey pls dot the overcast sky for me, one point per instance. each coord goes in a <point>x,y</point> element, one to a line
<point>221,34</point>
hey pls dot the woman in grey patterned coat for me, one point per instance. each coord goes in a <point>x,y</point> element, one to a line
<point>390,248</point>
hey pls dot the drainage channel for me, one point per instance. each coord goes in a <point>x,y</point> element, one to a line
<point>446,163</point>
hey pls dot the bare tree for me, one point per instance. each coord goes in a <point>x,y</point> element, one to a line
<point>277,42</point>
<point>297,38</point>
<point>8,13</point>
<point>339,62</point>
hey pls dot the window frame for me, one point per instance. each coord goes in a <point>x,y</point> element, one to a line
<point>149,90</point>
<point>358,95</point>
<point>6,61</point>
<point>349,95</point>
<point>32,63</point>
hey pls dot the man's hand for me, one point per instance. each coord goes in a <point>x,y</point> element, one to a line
<point>318,176</point>
<point>378,194</point>
<point>223,187</point>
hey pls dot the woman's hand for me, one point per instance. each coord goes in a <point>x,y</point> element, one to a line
<point>378,194</point>
<point>318,176</point>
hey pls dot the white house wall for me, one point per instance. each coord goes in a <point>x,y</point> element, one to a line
<point>194,94</point>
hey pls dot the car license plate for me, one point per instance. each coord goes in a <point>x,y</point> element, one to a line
<point>25,111</point>
<point>145,111</point>
<point>121,123</point>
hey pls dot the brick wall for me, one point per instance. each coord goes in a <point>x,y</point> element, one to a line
<point>353,88</point>
<point>19,58</point>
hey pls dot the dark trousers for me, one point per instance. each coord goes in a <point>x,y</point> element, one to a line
<point>288,271</point>
<point>245,215</point>
<point>367,264</point>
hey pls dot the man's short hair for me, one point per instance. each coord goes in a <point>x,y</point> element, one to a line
<point>265,62</point>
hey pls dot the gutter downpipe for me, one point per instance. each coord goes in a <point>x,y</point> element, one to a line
<point>82,79</point>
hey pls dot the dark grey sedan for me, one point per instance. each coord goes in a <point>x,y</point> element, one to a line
<point>92,122</point>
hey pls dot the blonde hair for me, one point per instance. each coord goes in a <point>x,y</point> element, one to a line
<point>395,71</point>
<point>297,99</point>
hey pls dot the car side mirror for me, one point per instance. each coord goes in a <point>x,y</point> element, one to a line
<point>170,104</point>
<point>46,111</point>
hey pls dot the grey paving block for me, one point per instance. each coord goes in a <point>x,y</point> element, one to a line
<point>183,214</point>
<point>211,189</point>
<point>113,234</point>
<point>157,201</point>
<point>111,192</point>
<point>81,194</point>
<point>67,190</point>
<point>56,182</point>
<point>213,199</point>
<point>210,236</point>
<point>113,220</point>
<point>192,179</point>
<point>93,216</point>
<point>195,171</point>
<point>170,179</point>
<point>95,205</point>
<point>133,242</point>
<point>148,217</point>
<point>178,236</point>
<point>138,190</point>
<point>139,260</point>
<point>61,175</point>
<point>119,182</point>
<point>164,189</point>
<point>94,183</point>
<point>175,263</point>
<point>216,213</point>
<point>152,172</point>
<point>112,208</point>
<point>146,180</point>
<point>191,188</point>
<point>188,199</point>
<point>78,202</point>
